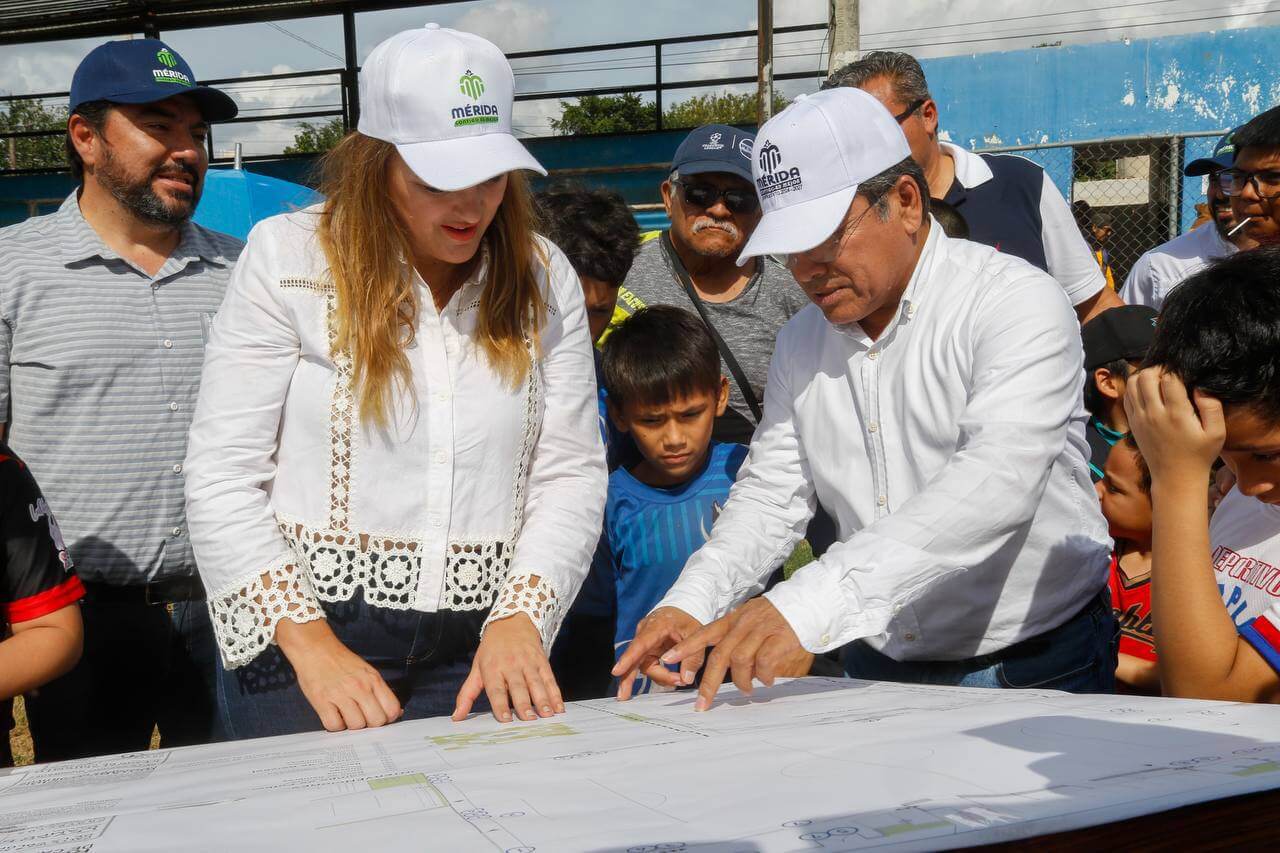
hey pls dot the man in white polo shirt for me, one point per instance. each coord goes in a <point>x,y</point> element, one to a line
<point>930,399</point>
<point>1168,265</point>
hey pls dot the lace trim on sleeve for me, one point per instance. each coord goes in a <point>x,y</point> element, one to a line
<point>244,619</point>
<point>533,596</point>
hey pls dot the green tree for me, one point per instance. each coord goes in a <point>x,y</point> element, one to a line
<point>314,138</point>
<point>605,114</point>
<point>717,108</point>
<point>33,152</point>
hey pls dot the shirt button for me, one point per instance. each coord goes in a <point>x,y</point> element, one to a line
<point>873,355</point>
<point>826,638</point>
<point>874,426</point>
<point>177,531</point>
<point>882,500</point>
<point>177,469</point>
<point>909,637</point>
<point>168,344</point>
<point>441,457</point>
<point>173,406</point>
<point>442,396</point>
<point>436,521</point>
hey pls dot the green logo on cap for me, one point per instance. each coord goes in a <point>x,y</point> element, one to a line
<point>166,57</point>
<point>471,85</point>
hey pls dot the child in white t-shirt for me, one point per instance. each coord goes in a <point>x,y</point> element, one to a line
<point>1210,388</point>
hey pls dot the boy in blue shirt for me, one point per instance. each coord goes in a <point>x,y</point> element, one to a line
<point>662,376</point>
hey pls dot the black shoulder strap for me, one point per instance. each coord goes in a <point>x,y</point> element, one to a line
<point>739,376</point>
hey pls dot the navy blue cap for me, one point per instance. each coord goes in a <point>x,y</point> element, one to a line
<point>1224,155</point>
<point>141,71</point>
<point>715,148</point>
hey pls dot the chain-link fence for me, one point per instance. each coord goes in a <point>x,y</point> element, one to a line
<point>1128,194</point>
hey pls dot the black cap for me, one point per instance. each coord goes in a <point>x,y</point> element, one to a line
<point>1125,332</point>
<point>715,148</point>
<point>1224,153</point>
<point>142,71</point>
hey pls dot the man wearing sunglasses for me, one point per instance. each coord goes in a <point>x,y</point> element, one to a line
<point>1166,266</point>
<point>713,208</point>
<point>1253,181</point>
<point>931,402</point>
<point>1008,201</point>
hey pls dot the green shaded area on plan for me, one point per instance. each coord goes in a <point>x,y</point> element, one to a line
<point>899,828</point>
<point>1264,767</point>
<point>398,781</point>
<point>507,735</point>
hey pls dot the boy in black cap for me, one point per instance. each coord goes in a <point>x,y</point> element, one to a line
<point>1115,342</point>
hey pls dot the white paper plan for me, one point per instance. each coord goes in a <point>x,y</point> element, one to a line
<point>813,764</point>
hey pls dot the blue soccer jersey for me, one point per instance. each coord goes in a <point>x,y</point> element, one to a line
<point>650,532</point>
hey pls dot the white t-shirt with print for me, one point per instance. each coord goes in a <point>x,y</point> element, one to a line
<point>1244,537</point>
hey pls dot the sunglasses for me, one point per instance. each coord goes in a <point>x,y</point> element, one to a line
<point>705,195</point>
<point>911,108</point>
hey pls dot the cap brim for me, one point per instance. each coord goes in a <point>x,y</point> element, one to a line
<point>1205,165</point>
<point>214,104</point>
<point>798,227</point>
<point>455,164</point>
<point>703,167</point>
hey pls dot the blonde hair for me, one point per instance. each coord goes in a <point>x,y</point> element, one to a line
<point>365,243</point>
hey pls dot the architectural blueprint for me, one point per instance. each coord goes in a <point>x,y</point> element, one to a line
<point>811,765</point>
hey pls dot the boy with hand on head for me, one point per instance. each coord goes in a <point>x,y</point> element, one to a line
<point>665,390</point>
<point>1115,343</point>
<point>1210,388</point>
<point>1125,494</point>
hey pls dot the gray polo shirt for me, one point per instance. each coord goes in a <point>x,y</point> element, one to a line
<point>749,323</point>
<point>99,370</point>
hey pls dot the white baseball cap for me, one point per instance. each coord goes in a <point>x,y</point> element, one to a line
<point>809,160</point>
<point>444,99</point>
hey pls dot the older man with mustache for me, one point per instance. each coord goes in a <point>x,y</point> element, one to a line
<point>714,210</point>
<point>104,308</point>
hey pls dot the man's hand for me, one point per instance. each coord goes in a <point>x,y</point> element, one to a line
<point>511,667</point>
<point>345,691</point>
<point>656,633</point>
<point>1179,441</point>
<point>755,641</point>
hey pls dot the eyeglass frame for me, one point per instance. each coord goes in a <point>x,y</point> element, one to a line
<point>1229,176</point>
<point>911,108</point>
<point>841,234</point>
<point>720,195</point>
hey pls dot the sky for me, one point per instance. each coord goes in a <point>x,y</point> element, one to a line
<point>923,27</point>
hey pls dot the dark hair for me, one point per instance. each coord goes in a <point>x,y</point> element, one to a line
<point>1144,473</point>
<point>593,227</point>
<point>1261,131</point>
<point>953,224</point>
<point>95,113</point>
<point>657,354</point>
<point>1094,401</point>
<point>902,69</point>
<point>1220,331</point>
<point>878,187</point>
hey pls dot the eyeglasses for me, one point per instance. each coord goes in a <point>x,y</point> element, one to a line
<point>706,195</point>
<point>825,252</point>
<point>1265,183</point>
<point>911,108</point>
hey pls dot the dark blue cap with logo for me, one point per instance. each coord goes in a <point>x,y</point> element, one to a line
<point>715,148</point>
<point>1224,155</point>
<point>141,71</point>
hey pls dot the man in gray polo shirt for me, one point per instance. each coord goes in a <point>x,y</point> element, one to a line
<point>713,208</point>
<point>104,307</point>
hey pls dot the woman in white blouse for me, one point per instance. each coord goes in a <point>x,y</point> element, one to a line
<point>395,479</point>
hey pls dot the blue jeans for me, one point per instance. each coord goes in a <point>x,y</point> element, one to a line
<point>423,657</point>
<point>1078,656</point>
<point>144,666</point>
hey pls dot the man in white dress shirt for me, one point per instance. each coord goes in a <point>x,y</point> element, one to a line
<point>1168,265</point>
<point>930,399</point>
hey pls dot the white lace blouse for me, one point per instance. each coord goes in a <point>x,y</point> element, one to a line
<point>476,494</point>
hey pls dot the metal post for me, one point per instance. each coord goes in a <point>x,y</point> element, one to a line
<point>764,59</point>
<point>1175,186</point>
<point>349,81</point>
<point>657,83</point>
<point>845,34</point>
<point>239,157</point>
